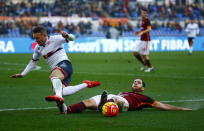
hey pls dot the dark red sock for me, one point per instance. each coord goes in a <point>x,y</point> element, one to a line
<point>139,58</point>
<point>76,108</point>
<point>148,63</point>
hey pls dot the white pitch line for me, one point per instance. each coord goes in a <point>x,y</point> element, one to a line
<point>22,109</point>
<point>45,108</point>
<point>116,74</point>
<point>17,64</point>
<point>184,100</point>
<point>7,63</point>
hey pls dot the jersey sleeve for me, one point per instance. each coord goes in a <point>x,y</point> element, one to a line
<point>36,54</point>
<point>29,67</point>
<point>33,62</point>
<point>59,39</point>
<point>187,28</point>
<point>148,23</point>
<point>149,101</point>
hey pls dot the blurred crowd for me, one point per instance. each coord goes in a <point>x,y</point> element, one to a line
<point>170,15</point>
<point>20,28</point>
<point>100,8</point>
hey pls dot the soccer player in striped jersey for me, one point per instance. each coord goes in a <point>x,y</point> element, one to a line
<point>192,30</point>
<point>141,52</point>
<point>127,101</point>
<point>51,49</point>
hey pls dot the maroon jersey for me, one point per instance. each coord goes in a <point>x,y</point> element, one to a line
<point>137,101</point>
<point>144,25</point>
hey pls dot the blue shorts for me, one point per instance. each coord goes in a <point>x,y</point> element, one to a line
<point>191,39</point>
<point>66,67</point>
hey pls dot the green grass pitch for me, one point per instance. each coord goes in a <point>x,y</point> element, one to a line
<point>178,79</point>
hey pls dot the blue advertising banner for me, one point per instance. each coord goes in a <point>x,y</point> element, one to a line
<point>16,45</point>
<point>99,44</point>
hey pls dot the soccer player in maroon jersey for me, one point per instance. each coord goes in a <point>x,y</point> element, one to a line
<point>141,52</point>
<point>127,101</point>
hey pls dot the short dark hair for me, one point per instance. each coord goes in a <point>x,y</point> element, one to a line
<point>144,9</point>
<point>39,29</point>
<point>192,18</point>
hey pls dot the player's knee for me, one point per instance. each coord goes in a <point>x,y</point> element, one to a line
<point>145,57</point>
<point>57,73</point>
<point>56,76</point>
<point>53,75</point>
<point>89,103</point>
<point>135,53</point>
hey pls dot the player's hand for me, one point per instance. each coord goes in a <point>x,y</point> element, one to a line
<point>17,76</point>
<point>138,33</point>
<point>64,34</point>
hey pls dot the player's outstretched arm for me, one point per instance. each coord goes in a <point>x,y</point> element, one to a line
<point>139,33</point>
<point>162,106</point>
<point>28,68</point>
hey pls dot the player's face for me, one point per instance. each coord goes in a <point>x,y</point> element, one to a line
<point>40,38</point>
<point>192,21</point>
<point>143,14</point>
<point>137,86</point>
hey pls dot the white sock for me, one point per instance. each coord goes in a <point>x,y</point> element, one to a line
<point>191,49</point>
<point>69,90</point>
<point>57,86</point>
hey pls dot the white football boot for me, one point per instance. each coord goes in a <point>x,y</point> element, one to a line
<point>149,69</point>
<point>142,68</point>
